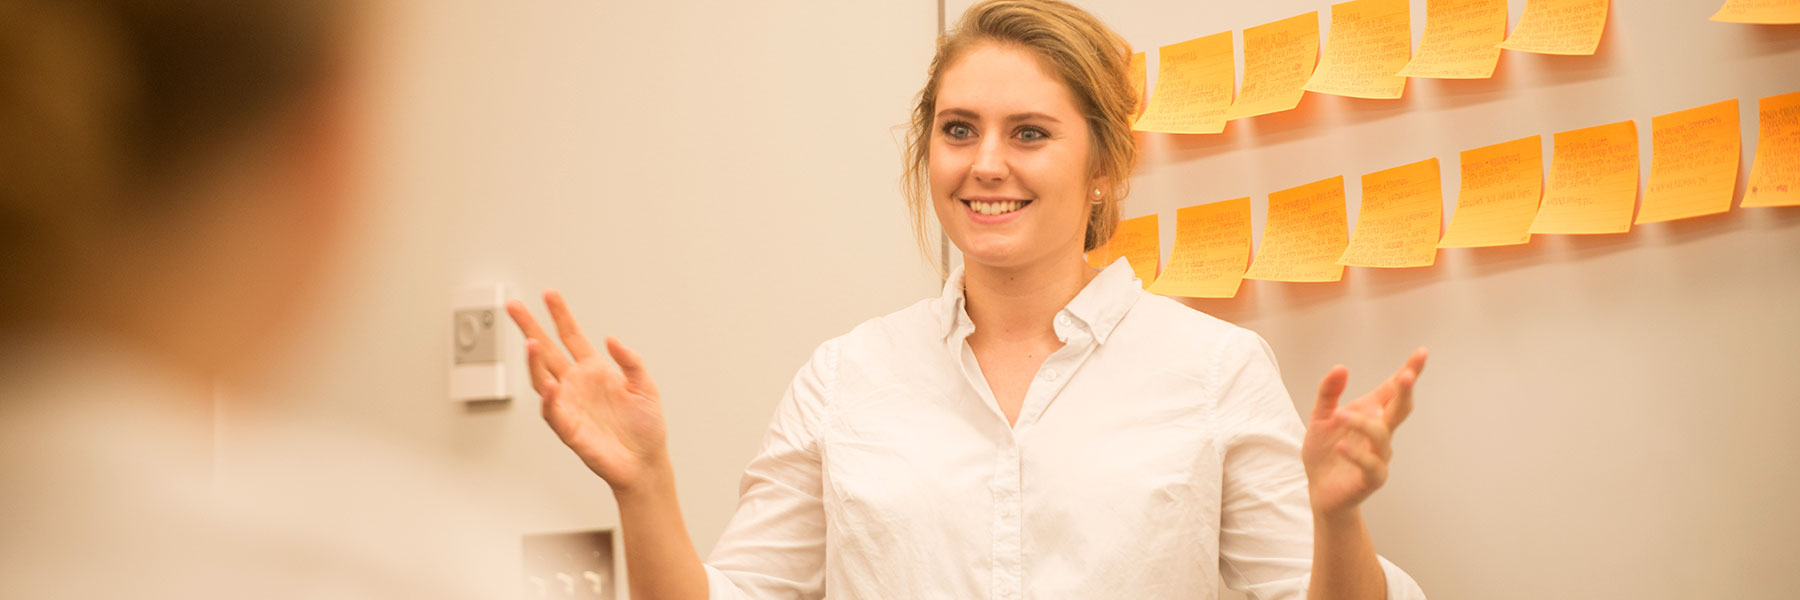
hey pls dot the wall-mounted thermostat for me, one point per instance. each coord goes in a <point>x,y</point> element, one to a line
<point>478,347</point>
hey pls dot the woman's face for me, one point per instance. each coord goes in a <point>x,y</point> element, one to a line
<point>1010,164</point>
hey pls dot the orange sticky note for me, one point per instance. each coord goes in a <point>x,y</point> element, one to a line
<point>1138,241</point>
<point>1559,27</point>
<point>1194,83</point>
<point>1278,59</point>
<point>1693,163</point>
<point>1212,249</point>
<point>1136,71</point>
<point>1402,209</point>
<point>1593,181</point>
<point>1370,41</point>
<point>1304,234</point>
<point>1098,257</point>
<point>1498,197</point>
<point>1775,176</point>
<point>1461,39</point>
<point>1767,12</point>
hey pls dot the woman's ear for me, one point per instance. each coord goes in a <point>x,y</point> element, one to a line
<point>1101,182</point>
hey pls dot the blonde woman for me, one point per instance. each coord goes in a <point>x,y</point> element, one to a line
<point>1042,429</point>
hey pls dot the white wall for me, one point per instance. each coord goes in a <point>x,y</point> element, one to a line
<point>715,183</point>
<point>1603,417</point>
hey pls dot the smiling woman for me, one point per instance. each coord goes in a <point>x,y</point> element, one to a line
<point>1079,68</point>
<point>1041,429</point>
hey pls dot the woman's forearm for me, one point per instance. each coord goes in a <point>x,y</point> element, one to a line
<point>1344,564</point>
<point>659,556</point>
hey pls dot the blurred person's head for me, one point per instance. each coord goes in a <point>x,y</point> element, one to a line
<point>1021,141</point>
<point>173,173</point>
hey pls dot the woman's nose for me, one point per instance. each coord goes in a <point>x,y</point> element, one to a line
<point>990,160</point>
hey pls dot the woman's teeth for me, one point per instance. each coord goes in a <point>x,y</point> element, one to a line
<point>996,208</point>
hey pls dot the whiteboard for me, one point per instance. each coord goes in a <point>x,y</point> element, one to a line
<point>1603,416</point>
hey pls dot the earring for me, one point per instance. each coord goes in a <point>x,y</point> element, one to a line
<point>1096,200</point>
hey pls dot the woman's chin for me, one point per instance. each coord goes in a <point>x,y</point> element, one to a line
<point>993,253</point>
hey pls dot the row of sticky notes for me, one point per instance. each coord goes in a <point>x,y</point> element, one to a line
<point>1368,54</point>
<point>1502,200</point>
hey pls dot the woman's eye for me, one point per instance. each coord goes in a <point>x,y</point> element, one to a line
<point>958,130</point>
<point>1033,134</point>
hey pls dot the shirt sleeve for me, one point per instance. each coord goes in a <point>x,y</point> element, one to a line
<point>1265,524</point>
<point>774,546</point>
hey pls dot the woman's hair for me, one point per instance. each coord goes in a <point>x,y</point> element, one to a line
<point>106,106</point>
<point>1072,44</point>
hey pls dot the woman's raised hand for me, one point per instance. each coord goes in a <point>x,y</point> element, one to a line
<point>1348,446</point>
<point>611,417</point>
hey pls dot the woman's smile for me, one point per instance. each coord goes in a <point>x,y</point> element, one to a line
<point>993,210</point>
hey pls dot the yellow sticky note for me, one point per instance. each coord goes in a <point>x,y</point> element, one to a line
<point>1304,234</point>
<point>1461,39</point>
<point>1767,12</point>
<point>1194,83</point>
<point>1136,72</point>
<point>1498,197</point>
<point>1559,27</point>
<point>1138,241</point>
<point>1693,163</point>
<point>1593,181</point>
<point>1212,248</point>
<point>1402,209</point>
<point>1278,59</point>
<point>1370,41</point>
<point>1775,176</point>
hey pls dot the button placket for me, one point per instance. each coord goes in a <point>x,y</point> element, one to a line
<point>1008,546</point>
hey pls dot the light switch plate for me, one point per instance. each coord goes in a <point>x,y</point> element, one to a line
<point>478,343</point>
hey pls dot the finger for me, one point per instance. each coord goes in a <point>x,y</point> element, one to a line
<point>578,344</point>
<point>1416,362</point>
<point>630,363</point>
<point>1330,389</point>
<point>1373,467</point>
<point>534,359</point>
<point>554,411</point>
<point>1380,437</point>
<point>550,394</point>
<point>553,359</point>
<point>1399,404</point>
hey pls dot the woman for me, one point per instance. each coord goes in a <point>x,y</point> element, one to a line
<point>1042,429</point>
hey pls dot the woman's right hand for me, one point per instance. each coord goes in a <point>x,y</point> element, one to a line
<point>612,418</point>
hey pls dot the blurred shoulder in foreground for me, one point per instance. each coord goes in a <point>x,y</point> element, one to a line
<point>174,179</point>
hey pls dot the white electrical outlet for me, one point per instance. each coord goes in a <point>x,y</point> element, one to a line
<point>478,348</point>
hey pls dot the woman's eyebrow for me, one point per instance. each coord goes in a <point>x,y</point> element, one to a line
<point>969,114</point>
<point>1032,116</point>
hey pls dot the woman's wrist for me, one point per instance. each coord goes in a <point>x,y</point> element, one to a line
<point>655,483</point>
<point>1338,518</point>
<point>1343,519</point>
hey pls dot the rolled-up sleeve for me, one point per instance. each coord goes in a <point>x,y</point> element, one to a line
<point>774,546</point>
<point>1265,530</point>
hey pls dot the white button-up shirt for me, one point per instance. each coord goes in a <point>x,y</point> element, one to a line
<point>1156,453</point>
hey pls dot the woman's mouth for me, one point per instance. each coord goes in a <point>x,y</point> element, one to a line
<point>994,207</point>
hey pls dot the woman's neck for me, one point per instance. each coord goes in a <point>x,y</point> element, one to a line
<point>1019,303</point>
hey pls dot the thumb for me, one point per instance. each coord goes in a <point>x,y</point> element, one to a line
<point>630,362</point>
<point>1330,389</point>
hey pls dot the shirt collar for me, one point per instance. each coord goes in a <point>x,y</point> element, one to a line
<point>1098,307</point>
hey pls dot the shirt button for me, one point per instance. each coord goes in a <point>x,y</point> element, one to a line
<point>1049,374</point>
<point>1062,320</point>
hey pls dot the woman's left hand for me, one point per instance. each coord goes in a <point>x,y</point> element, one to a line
<point>1348,446</point>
